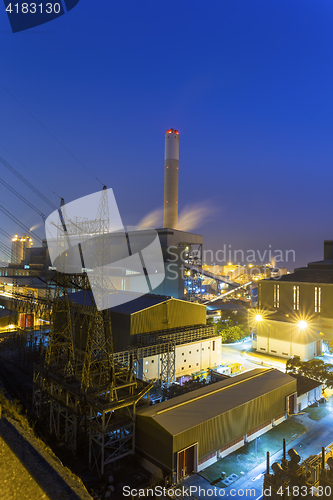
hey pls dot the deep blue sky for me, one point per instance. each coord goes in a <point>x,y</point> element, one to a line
<point>247,83</point>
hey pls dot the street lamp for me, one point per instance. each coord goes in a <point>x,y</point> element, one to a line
<point>258,317</point>
<point>302,324</point>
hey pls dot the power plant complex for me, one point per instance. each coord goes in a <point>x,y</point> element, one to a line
<point>142,380</point>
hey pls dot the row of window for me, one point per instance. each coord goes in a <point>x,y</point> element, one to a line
<point>190,366</point>
<point>317,298</point>
<point>213,349</point>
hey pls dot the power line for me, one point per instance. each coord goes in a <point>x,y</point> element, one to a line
<point>10,252</point>
<point>27,183</point>
<point>20,216</point>
<point>5,233</point>
<point>21,197</point>
<point>23,226</point>
<point>40,180</point>
<point>52,135</point>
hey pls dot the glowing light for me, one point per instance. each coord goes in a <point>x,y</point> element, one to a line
<point>302,324</point>
<point>258,317</point>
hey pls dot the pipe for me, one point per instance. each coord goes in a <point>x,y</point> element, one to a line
<point>267,467</point>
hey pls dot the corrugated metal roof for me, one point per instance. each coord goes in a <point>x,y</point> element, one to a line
<point>141,303</point>
<point>305,384</point>
<point>194,408</point>
<point>135,305</point>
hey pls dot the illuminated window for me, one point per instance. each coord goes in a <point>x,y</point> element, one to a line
<point>296,298</point>
<point>259,295</point>
<point>319,299</point>
<point>316,300</point>
<point>276,296</point>
<point>146,371</point>
<point>147,362</point>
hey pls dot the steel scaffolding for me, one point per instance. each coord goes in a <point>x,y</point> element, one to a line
<point>81,387</point>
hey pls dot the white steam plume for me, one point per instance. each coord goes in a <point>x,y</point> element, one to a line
<point>151,220</point>
<point>194,216</point>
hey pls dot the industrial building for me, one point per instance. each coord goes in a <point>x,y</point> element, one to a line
<point>19,248</point>
<point>179,249</point>
<point>308,391</point>
<point>296,310</point>
<point>190,432</point>
<point>190,358</point>
<point>285,337</point>
<point>162,334</point>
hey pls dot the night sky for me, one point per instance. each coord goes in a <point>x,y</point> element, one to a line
<point>247,83</point>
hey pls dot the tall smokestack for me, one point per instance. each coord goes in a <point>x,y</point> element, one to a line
<point>171,165</point>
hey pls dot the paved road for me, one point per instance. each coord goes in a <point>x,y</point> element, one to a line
<point>236,353</point>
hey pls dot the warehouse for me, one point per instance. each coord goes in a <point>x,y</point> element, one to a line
<point>152,313</point>
<point>190,432</point>
<point>147,314</point>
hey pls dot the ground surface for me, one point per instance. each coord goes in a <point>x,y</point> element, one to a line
<point>29,472</point>
<point>317,413</point>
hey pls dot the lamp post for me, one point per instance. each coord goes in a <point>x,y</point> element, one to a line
<point>258,318</point>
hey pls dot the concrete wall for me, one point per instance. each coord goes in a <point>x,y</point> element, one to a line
<point>196,356</point>
<point>307,307</point>
<point>285,349</point>
<point>309,398</point>
<point>189,358</point>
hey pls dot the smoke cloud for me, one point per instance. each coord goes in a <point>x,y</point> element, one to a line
<point>152,220</point>
<point>191,217</point>
<point>35,227</point>
<point>194,216</point>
